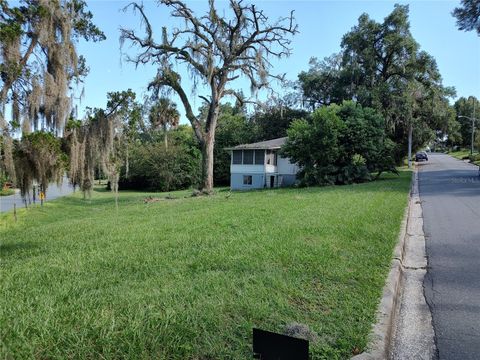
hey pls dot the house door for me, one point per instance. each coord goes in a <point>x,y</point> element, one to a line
<point>272,181</point>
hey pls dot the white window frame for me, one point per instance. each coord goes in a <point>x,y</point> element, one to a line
<point>245,180</point>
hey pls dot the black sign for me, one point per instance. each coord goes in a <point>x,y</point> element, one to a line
<point>271,346</point>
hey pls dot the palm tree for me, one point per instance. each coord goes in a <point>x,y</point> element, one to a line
<point>164,114</point>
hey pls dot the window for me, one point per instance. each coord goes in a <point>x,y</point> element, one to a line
<point>259,157</point>
<point>247,157</point>
<point>247,179</point>
<point>237,157</point>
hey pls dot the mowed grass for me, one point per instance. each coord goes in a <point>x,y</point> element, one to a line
<point>189,278</point>
<point>460,154</point>
<point>463,154</point>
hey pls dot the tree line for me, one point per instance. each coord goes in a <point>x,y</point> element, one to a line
<point>360,111</point>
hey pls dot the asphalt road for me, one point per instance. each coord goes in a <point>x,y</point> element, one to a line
<point>450,195</point>
<point>53,192</point>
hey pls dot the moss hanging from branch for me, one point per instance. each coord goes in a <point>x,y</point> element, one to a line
<point>38,157</point>
<point>101,141</point>
<point>38,62</point>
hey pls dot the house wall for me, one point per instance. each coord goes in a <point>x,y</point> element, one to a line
<point>286,180</point>
<point>285,167</point>
<point>285,174</point>
<point>236,181</point>
<point>270,168</point>
<point>246,169</point>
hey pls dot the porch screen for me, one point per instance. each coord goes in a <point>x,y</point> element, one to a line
<point>247,157</point>
<point>237,157</point>
<point>259,157</point>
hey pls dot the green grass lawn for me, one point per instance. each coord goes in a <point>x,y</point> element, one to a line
<point>460,154</point>
<point>463,154</point>
<point>189,278</point>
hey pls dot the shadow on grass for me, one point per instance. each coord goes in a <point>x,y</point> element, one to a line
<point>79,202</point>
<point>19,248</point>
<point>100,189</point>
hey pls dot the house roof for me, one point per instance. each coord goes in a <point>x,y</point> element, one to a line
<point>268,145</point>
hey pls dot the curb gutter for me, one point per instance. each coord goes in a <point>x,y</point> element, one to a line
<point>397,301</point>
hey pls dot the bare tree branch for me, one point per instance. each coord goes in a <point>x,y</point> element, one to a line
<point>216,50</point>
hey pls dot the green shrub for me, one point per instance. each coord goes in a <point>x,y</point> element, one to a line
<point>154,167</point>
<point>341,144</point>
<point>6,192</point>
<point>474,157</point>
<point>3,180</point>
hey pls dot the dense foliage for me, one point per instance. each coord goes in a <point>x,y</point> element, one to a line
<point>468,16</point>
<point>272,122</point>
<point>156,167</point>
<point>340,144</point>
<point>38,157</point>
<point>38,66</point>
<point>466,109</point>
<point>233,129</point>
<point>381,66</point>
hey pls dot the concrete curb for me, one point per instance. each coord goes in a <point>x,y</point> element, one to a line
<point>382,331</point>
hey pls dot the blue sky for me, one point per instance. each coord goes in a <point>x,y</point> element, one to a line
<point>321,24</point>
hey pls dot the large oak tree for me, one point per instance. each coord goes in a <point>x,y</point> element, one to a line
<point>38,62</point>
<point>216,50</point>
<point>381,66</point>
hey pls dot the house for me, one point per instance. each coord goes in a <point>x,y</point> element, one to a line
<point>259,165</point>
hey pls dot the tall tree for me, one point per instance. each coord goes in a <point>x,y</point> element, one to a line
<point>38,157</point>
<point>466,109</point>
<point>164,114</point>
<point>216,49</point>
<point>381,65</point>
<point>102,141</point>
<point>468,15</point>
<point>38,61</point>
<point>273,121</point>
<point>233,129</point>
<point>322,83</point>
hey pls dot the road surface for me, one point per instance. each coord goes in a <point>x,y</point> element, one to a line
<point>53,192</point>
<point>450,195</point>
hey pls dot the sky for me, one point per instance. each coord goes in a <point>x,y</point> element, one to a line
<point>321,27</point>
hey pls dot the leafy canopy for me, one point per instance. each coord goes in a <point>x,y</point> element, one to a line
<point>339,144</point>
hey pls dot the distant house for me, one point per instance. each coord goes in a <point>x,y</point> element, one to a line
<point>259,165</point>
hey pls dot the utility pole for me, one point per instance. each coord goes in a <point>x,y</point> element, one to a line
<point>473,125</point>
<point>410,136</point>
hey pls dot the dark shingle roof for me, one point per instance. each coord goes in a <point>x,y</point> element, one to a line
<point>269,145</point>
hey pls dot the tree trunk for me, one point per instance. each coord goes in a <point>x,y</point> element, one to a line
<point>127,163</point>
<point>207,162</point>
<point>165,138</point>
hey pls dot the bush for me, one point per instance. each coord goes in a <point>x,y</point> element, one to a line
<point>3,180</point>
<point>156,168</point>
<point>474,157</point>
<point>341,144</point>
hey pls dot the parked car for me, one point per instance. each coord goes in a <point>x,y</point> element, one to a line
<point>421,156</point>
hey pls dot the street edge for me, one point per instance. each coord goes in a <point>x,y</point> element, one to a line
<point>382,331</point>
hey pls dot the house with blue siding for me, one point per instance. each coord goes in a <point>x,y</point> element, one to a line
<point>259,165</point>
